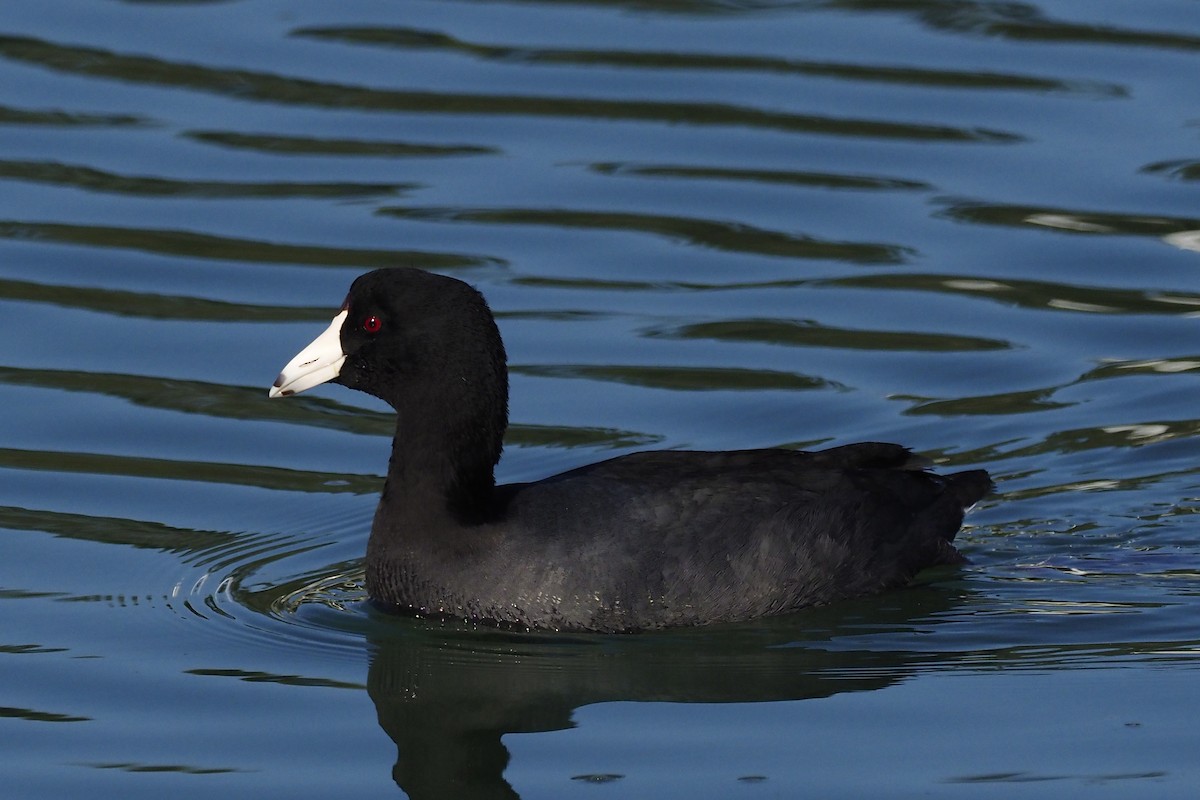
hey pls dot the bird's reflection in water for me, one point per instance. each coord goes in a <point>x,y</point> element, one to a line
<point>446,696</point>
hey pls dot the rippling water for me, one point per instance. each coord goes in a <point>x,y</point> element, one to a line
<point>971,227</point>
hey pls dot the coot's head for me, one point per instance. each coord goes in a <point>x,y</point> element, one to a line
<point>424,343</point>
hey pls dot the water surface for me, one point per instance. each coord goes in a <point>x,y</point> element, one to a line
<point>969,227</point>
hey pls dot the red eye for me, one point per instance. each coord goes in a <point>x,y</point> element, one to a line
<point>372,324</point>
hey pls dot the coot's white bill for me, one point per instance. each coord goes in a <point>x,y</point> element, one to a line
<point>321,361</point>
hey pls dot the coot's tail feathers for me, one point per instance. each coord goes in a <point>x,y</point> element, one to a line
<point>967,487</point>
<point>944,517</point>
<point>970,487</point>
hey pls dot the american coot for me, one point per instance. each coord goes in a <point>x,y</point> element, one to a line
<point>646,540</point>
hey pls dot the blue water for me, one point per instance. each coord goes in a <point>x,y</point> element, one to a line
<point>972,228</point>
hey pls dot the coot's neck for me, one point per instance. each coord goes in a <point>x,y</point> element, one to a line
<point>449,434</point>
<point>438,470</point>
<point>438,490</point>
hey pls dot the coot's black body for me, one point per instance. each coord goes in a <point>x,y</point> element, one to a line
<point>642,541</point>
